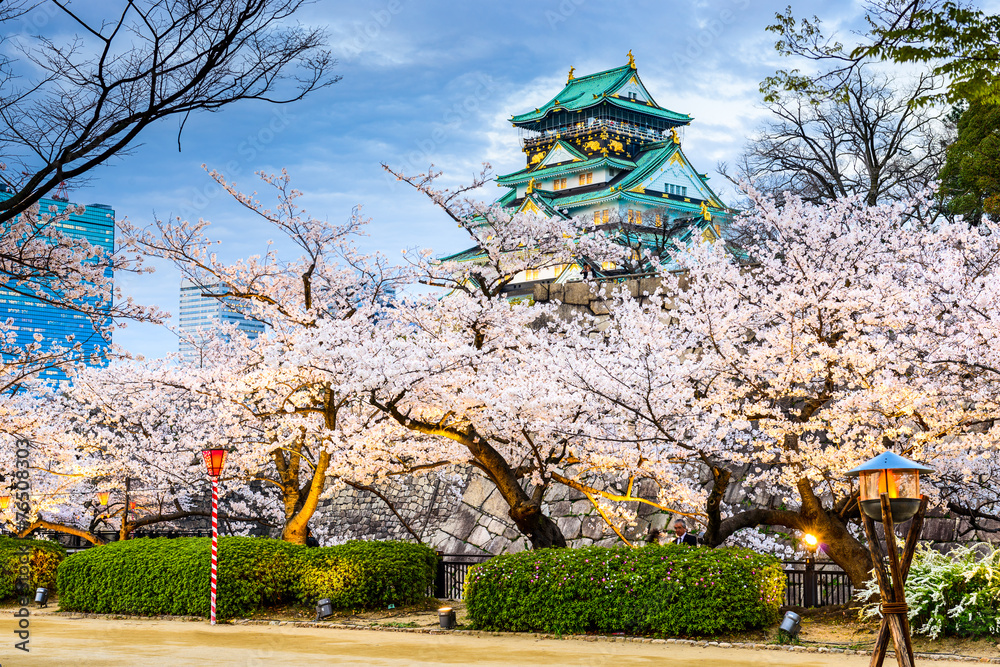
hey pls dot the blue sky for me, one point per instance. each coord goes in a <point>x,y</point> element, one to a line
<point>435,82</point>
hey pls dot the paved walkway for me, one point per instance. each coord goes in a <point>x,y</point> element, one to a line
<point>57,641</point>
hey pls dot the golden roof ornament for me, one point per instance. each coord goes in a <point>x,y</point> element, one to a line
<point>531,186</point>
<point>571,70</point>
<point>674,135</point>
<point>631,59</point>
<point>704,212</point>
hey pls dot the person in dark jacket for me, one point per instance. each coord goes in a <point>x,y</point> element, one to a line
<point>681,536</point>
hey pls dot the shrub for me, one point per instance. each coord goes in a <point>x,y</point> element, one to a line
<point>360,575</point>
<point>954,594</point>
<point>171,576</point>
<point>664,590</point>
<point>44,557</point>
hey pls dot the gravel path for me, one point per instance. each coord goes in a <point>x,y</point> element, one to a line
<point>60,641</point>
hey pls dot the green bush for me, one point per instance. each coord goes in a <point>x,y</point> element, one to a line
<point>662,590</point>
<point>361,575</point>
<point>171,576</point>
<point>956,594</point>
<point>44,558</point>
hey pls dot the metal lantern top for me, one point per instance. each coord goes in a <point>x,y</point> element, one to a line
<point>896,478</point>
<point>214,460</point>
<point>888,461</point>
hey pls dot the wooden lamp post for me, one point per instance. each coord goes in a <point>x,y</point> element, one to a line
<point>890,494</point>
<point>214,460</point>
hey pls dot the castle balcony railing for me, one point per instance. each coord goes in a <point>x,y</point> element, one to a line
<point>531,138</point>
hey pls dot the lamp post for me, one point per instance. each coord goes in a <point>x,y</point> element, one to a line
<point>214,459</point>
<point>809,580</point>
<point>890,492</point>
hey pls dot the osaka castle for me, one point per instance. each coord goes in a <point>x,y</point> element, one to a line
<point>603,151</point>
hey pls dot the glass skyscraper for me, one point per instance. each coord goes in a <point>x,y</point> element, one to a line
<point>201,315</point>
<point>31,316</point>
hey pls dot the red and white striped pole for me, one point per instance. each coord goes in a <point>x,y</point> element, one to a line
<point>215,541</point>
<point>214,459</point>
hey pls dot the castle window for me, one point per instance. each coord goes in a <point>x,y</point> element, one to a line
<point>638,217</point>
<point>604,215</point>
<point>587,179</point>
<point>559,184</point>
<point>678,190</point>
<point>659,219</point>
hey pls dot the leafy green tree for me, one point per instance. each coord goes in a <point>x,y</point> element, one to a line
<point>959,42</point>
<point>970,179</point>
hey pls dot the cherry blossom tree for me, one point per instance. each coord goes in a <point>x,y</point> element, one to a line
<point>849,329</point>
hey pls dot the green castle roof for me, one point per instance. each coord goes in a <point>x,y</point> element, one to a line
<point>594,89</point>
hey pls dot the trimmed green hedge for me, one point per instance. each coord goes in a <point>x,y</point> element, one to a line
<point>361,574</point>
<point>660,590</point>
<point>44,558</point>
<point>171,576</point>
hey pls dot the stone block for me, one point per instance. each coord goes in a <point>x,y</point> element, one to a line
<point>541,292</point>
<point>480,537</point>
<point>582,506</point>
<point>576,294</point>
<point>561,508</point>
<point>649,285</point>
<point>518,545</point>
<point>511,533</point>
<point>658,521</point>
<point>593,527</point>
<point>938,530</point>
<point>633,288</point>
<point>461,524</point>
<point>570,526</point>
<point>556,292</point>
<point>556,492</point>
<point>496,506</point>
<point>599,307</point>
<point>478,491</point>
<point>498,545</point>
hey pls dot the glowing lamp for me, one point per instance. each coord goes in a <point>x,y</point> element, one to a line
<point>896,477</point>
<point>810,541</point>
<point>214,459</point>
<point>4,501</point>
<point>446,618</point>
<point>104,497</point>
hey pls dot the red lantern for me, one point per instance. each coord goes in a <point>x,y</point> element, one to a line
<point>103,497</point>
<point>214,459</point>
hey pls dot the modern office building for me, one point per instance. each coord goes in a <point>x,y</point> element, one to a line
<point>31,316</point>
<point>201,315</point>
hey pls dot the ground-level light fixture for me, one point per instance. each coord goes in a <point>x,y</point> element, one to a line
<point>890,494</point>
<point>42,597</point>
<point>324,609</point>
<point>791,624</point>
<point>894,476</point>
<point>446,616</point>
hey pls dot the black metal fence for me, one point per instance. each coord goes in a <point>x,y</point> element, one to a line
<point>818,584</point>
<point>450,580</point>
